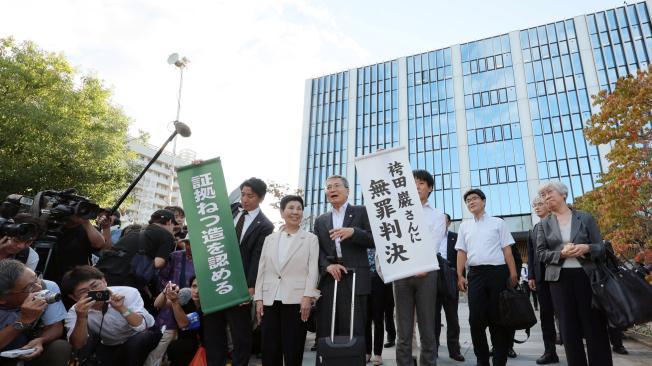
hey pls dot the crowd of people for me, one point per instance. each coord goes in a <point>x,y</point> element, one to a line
<point>107,316</point>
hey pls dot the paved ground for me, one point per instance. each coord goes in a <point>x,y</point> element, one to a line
<point>527,352</point>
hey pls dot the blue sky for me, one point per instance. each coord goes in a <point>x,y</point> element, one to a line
<point>243,90</point>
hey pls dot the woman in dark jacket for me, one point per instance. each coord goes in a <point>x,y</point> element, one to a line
<point>569,243</point>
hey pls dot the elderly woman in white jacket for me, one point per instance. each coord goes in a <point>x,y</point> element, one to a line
<point>286,287</point>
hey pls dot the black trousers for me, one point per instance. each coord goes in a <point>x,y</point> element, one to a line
<point>283,335</point>
<point>615,337</point>
<point>131,353</point>
<point>238,318</point>
<point>181,351</point>
<point>547,316</point>
<point>388,300</point>
<point>485,284</point>
<point>571,296</point>
<point>452,323</point>
<point>375,315</point>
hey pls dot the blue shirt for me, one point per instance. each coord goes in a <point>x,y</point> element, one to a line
<point>53,313</point>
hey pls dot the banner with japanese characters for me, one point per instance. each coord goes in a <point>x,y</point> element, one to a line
<point>402,239</point>
<point>215,249</point>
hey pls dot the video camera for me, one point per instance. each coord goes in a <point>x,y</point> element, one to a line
<point>53,209</point>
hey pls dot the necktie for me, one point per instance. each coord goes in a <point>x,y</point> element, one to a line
<point>240,224</point>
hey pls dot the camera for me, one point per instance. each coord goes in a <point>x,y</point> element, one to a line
<point>49,296</point>
<point>22,231</point>
<point>99,295</point>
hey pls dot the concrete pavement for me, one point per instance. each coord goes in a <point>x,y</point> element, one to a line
<point>528,352</point>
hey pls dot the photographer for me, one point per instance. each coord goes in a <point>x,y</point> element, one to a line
<point>109,324</point>
<point>17,248</point>
<point>30,319</point>
<point>180,218</point>
<point>17,245</point>
<point>109,225</point>
<point>74,246</point>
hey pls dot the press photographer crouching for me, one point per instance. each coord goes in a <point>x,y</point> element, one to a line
<point>31,315</point>
<point>109,325</point>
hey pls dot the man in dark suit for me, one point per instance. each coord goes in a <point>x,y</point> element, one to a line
<point>251,228</point>
<point>536,283</point>
<point>344,235</point>
<point>449,304</point>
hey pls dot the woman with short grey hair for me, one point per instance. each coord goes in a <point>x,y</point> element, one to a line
<point>569,243</point>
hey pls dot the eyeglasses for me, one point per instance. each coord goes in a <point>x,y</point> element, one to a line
<point>95,285</point>
<point>31,287</point>
<point>334,186</point>
<point>472,198</point>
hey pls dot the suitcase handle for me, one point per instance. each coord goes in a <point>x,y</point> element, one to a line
<point>335,304</point>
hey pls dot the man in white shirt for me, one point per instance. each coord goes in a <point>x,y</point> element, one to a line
<point>484,244</point>
<point>420,291</point>
<point>114,331</point>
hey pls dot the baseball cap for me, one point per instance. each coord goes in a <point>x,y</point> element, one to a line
<point>165,214</point>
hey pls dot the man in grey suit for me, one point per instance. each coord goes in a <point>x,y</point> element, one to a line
<point>344,235</point>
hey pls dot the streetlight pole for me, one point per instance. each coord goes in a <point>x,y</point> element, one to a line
<point>180,63</point>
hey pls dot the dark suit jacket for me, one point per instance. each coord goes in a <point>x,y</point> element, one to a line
<point>252,243</point>
<point>451,253</point>
<point>354,249</point>
<point>534,266</point>
<point>584,230</point>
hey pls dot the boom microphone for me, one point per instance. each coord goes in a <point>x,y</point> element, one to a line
<point>182,129</point>
<point>185,294</point>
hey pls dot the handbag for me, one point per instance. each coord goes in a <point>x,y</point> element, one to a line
<point>621,293</point>
<point>515,309</point>
<point>446,280</point>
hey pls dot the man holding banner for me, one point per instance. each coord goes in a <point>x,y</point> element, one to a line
<point>420,290</point>
<point>226,245</point>
<point>407,231</point>
<point>251,229</point>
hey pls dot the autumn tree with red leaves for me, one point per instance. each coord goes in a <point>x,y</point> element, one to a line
<point>622,203</point>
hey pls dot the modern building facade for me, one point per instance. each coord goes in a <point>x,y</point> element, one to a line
<point>501,114</point>
<point>153,191</point>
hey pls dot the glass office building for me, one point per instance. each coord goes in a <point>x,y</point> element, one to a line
<point>501,114</point>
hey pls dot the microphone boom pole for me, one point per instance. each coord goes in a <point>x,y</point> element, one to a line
<point>180,128</point>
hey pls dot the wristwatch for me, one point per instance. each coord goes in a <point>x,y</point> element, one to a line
<point>18,325</point>
<point>126,313</point>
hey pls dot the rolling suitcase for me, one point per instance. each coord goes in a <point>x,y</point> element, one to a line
<point>341,350</point>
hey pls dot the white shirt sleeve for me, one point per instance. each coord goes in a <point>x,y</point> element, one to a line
<point>135,304</point>
<point>506,238</point>
<point>439,227</point>
<point>71,319</point>
<point>32,259</point>
<point>461,235</point>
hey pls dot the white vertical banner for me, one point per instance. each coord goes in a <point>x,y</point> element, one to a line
<point>402,239</point>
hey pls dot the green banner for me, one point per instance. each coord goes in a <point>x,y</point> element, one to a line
<point>215,249</point>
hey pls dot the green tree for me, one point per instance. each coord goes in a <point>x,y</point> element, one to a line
<point>58,128</point>
<point>623,201</point>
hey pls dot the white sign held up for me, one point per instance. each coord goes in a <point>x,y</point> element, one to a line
<point>403,242</point>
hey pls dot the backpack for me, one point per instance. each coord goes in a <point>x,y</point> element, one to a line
<point>122,268</point>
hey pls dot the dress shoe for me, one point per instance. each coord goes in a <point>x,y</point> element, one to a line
<point>390,344</point>
<point>511,353</point>
<point>314,347</point>
<point>457,357</point>
<point>548,358</point>
<point>621,350</point>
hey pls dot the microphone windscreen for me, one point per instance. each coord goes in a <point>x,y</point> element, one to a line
<point>182,128</point>
<point>185,294</point>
